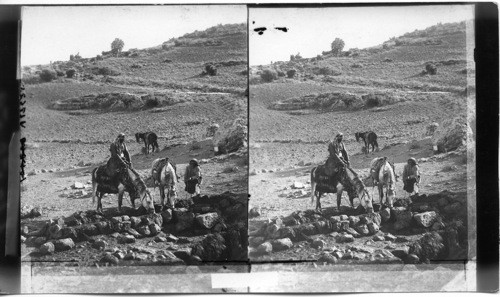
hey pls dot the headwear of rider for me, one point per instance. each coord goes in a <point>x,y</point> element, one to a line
<point>193,162</point>
<point>339,135</point>
<point>121,136</point>
<point>413,161</point>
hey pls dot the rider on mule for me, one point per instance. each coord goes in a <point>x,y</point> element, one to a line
<point>337,150</point>
<point>120,158</point>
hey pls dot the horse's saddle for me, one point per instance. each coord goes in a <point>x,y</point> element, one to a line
<point>158,168</point>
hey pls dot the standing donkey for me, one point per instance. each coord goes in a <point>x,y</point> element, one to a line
<point>165,176</point>
<point>150,139</point>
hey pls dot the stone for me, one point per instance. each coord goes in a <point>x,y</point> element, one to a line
<point>39,241</point>
<point>335,219</point>
<point>167,215</point>
<point>265,248</point>
<point>154,229</point>
<point>353,232</point>
<point>144,230</point>
<point>318,244</point>
<point>403,217</point>
<point>401,239</point>
<point>108,258</point>
<point>231,136</point>
<point>378,238</point>
<point>135,222</point>
<point>64,244</point>
<point>344,225</point>
<point>183,240</point>
<point>100,244</point>
<point>281,244</point>
<point>345,238</point>
<point>363,230</point>
<point>272,231</point>
<point>451,134</point>
<point>78,185</point>
<point>125,218</point>
<point>147,220</point>
<point>412,259</point>
<point>390,237</point>
<point>160,239</point>
<point>23,239</point>
<point>401,252</point>
<point>371,218</point>
<point>254,212</point>
<point>123,239</point>
<point>185,219</point>
<point>437,226</point>
<point>348,255</point>
<point>338,254</point>
<point>207,220</point>
<point>287,232</point>
<point>425,219</point>
<point>256,241</point>
<point>442,202</point>
<point>129,256</point>
<point>385,214</point>
<point>172,238</point>
<point>298,185</point>
<point>353,221</point>
<point>134,233</point>
<point>344,218</point>
<point>373,228</point>
<point>119,255</point>
<point>322,226</point>
<point>327,258</point>
<point>47,248</point>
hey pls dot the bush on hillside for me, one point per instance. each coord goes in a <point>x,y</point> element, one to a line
<point>291,73</point>
<point>48,75</point>
<point>431,69</point>
<point>337,46</point>
<point>59,73</point>
<point>268,75</point>
<point>211,69</point>
<point>281,73</point>
<point>98,58</point>
<point>105,70</point>
<point>70,73</point>
<point>326,71</point>
<point>117,46</point>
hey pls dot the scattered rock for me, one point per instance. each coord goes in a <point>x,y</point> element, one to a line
<point>403,217</point>
<point>385,214</point>
<point>172,238</point>
<point>100,244</point>
<point>108,258</point>
<point>256,241</point>
<point>363,230</point>
<point>207,220</point>
<point>281,244</point>
<point>378,238</point>
<point>401,252</point>
<point>254,212</point>
<point>134,233</point>
<point>390,237</point>
<point>154,229</point>
<point>47,248</point>
<point>144,230</point>
<point>298,185</point>
<point>126,239</point>
<point>425,219</point>
<point>345,238</point>
<point>327,258</point>
<point>265,248</point>
<point>64,244</point>
<point>412,259</point>
<point>318,244</point>
<point>78,185</point>
<point>353,221</point>
<point>373,228</point>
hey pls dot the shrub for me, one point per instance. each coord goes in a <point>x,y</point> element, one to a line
<point>78,57</point>
<point>326,71</point>
<point>70,73</point>
<point>98,58</point>
<point>337,46</point>
<point>281,73</point>
<point>291,73</point>
<point>59,73</point>
<point>211,69</point>
<point>319,58</point>
<point>356,65</point>
<point>268,75</point>
<point>431,69</point>
<point>105,70</point>
<point>152,101</point>
<point>117,46</point>
<point>48,75</point>
<point>71,57</point>
<point>292,58</point>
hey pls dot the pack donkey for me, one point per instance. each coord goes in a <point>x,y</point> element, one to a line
<point>127,181</point>
<point>164,174</point>
<point>383,174</point>
<point>323,181</point>
<point>149,139</point>
<point>369,138</point>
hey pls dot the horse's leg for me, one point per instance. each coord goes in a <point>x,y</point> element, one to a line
<point>318,201</point>
<point>381,194</point>
<point>313,190</point>
<point>99,203</point>
<point>340,189</point>
<point>121,189</point>
<point>162,196</point>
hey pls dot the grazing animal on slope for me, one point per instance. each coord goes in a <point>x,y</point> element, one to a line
<point>323,181</point>
<point>150,139</point>
<point>128,180</point>
<point>384,176</point>
<point>164,175</point>
<point>369,138</point>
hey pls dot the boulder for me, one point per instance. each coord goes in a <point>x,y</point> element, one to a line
<point>108,258</point>
<point>335,219</point>
<point>134,233</point>
<point>352,232</point>
<point>403,217</point>
<point>385,214</point>
<point>265,248</point>
<point>412,259</point>
<point>47,248</point>
<point>322,226</point>
<point>207,220</point>
<point>353,221</point>
<point>135,222</point>
<point>185,219</point>
<point>144,230</point>
<point>78,185</point>
<point>298,185</point>
<point>39,241</point>
<point>272,231</point>
<point>373,228</point>
<point>318,244</point>
<point>401,252</point>
<point>451,135</point>
<point>167,215</point>
<point>211,248</point>
<point>287,232</point>
<point>390,237</point>
<point>344,217</point>
<point>281,244</point>
<point>363,230</point>
<point>327,258</point>
<point>338,254</point>
<point>123,239</point>
<point>254,212</point>
<point>344,225</point>
<point>231,136</point>
<point>64,244</point>
<point>345,238</point>
<point>256,241</point>
<point>425,219</point>
<point>100,244</point>
<point>154,229</point>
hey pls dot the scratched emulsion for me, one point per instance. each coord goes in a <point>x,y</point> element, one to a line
<point>284,29</point>
<point>260,30</point>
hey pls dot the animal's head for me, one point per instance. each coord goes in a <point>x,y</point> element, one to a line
<point>137,137</point>
<point>357,134</point>
<point>172,196</point>
<point>148,202</point>
<point>366,201</point>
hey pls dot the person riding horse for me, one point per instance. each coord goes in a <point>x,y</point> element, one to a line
<point>120,157</point>
<point>337,150</point>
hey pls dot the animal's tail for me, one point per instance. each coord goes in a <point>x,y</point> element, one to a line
<point>94,185</point>
<point>155,144</point>
<point>375,142</point>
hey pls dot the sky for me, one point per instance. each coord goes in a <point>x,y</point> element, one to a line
<point>312,30</point>
<point>54,33</point>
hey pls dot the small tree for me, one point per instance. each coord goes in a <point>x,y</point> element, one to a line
<point>291,73</point>
<point>117,46</point>
<point>77,56</point>
<point>337,46</point>
<point>70,73</point>
<point>48,75</point>
<point>71,57</point>
<point>268,75</point>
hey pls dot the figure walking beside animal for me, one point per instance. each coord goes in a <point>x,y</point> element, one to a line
<point>193,178</point>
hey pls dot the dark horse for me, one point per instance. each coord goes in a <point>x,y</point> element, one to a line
<point>369,138</point>
<point>128,180</point>
<point>323,181</point>
<point>149,138</point>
